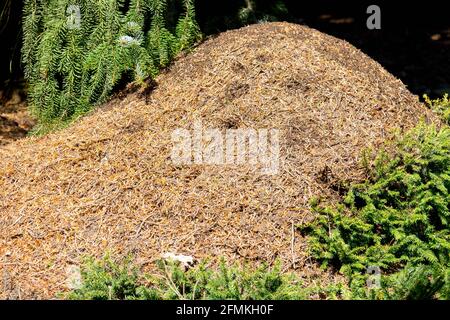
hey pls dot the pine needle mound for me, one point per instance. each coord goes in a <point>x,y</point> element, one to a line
<point>108,183</point>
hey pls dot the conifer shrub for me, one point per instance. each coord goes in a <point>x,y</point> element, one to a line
<point>76,52</point>
<point>440,106</point>
<point>108,280</point>
<point>398,220</point>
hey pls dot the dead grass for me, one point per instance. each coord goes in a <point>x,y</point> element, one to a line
<point>108,183</point>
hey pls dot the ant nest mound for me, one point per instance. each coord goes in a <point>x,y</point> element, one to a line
<point>110,182</point>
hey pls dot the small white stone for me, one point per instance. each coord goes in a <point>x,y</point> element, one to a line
<point>185,261</point>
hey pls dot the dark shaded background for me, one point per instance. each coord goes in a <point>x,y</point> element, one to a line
<point>413,44</point>
<point>10,44</point>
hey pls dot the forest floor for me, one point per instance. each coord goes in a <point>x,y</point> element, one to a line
<point>15,120</point>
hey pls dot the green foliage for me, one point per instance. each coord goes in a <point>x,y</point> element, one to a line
<point>239,283</point>
<point>440,106</point>
<point>76,52</point>
<point>108,280</point>
<point>413,282</point>
<point>399,220</point>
